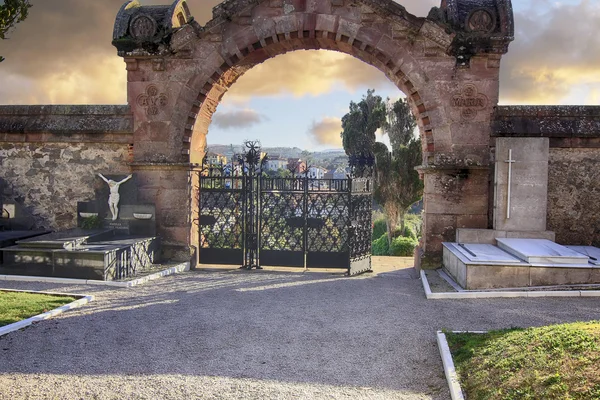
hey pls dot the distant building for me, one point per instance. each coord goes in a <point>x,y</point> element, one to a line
<point>215,159</point>
<point>276,162</point>
<point>340,173</point>
<point>317,172</point>
<point>296,165</point>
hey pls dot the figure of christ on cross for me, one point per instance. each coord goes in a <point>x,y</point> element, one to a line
<point>113,198</point>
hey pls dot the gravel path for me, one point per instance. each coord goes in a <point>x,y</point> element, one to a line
<point>255,335</point>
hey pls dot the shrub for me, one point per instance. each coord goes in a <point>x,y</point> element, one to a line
<point>379,228</point>
<point>381,246</point>
<point>402,247</point>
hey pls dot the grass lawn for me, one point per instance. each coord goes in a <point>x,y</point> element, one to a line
<point>553,362</point>
<point>16,306</point>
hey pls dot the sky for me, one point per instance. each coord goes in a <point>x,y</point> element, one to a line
<point>62,55</point>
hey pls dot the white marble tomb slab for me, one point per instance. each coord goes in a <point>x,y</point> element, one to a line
<point>485,253</point>
<point>592,252</point>
<point>541,251</point>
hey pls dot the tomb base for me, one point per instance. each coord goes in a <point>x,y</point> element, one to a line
<point>80,254</point>
<point>519,263</point>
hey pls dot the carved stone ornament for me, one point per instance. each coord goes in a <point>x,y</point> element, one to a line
<point>470,101</point>
<point>142,27</point>
<point>481,21</point>
<point>152,100</point>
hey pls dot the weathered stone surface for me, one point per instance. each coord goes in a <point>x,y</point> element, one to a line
<point>49,179</point>
<point>573,196</point>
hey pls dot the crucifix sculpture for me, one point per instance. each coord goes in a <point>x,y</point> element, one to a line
<point>510,162</point>
<point>113,198</point>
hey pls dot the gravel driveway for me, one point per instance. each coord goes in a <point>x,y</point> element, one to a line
<point>255,335</point>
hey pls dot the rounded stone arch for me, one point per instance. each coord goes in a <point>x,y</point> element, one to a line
<point>211,90</point>
<point>374,46</point>
<point>446,64</point>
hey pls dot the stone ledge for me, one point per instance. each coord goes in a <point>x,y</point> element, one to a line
<point>547,121</point>
<point>66,119</point>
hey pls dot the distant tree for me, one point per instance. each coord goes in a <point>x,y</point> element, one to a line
<point>358,131</point>
<point>11,13</point>
<point>398,185</point>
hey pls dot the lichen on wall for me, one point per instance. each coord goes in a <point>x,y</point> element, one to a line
<point>573,195</point>
<point>48,179</point>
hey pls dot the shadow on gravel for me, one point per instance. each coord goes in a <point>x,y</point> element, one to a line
<point>374,331</point>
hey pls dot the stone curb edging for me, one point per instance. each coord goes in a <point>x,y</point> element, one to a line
<point>449,370</point>
<point>169,271</point>
<point>84,299</point>
<point>489,295</point>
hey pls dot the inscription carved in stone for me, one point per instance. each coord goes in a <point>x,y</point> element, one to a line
<point>470,101</point>
<point>481,21</point>
<point>142,26</point>
<point>152,100</point>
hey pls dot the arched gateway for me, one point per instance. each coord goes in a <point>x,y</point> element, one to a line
<point>447,64</point>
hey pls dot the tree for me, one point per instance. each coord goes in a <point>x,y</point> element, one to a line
<point>397,184</point>
<point>358,132</point>
<point>11,13</point>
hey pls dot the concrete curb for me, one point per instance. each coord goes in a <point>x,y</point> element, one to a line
<point>508,294</point>
<point>48,314</point>
<point>449,370</point>
<point>169,271</point>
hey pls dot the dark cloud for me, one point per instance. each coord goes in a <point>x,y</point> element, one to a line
<point>327,132</point>
<point>237,119</point>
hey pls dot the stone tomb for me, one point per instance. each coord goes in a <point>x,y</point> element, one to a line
<point>115,238</point>
<point>100,254</point>
<point>519,263</point>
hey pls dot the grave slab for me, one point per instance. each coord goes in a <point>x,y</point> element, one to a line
<point>67,239</point>
<point>487,253</point>
<point>542,251</point>
<point>592,252</point>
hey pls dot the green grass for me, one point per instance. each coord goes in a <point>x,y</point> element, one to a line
<point>16,306</point>
<point>553,362</point>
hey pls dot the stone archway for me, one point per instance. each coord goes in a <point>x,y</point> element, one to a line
<point>446,64</point>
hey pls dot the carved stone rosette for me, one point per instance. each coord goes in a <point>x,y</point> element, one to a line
<point>152,100</point>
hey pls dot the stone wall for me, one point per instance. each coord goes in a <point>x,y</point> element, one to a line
<point>574,194</point>
<point>573,168</point>
<point>50,155</point>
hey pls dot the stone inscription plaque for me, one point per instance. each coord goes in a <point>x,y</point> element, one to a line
<point>469,101</point>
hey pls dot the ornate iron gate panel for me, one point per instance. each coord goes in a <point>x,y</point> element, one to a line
<point>252,220</point>
<point>281,223</point>
<point>361,215</point>
<point>222,203</point>
<point>328,219</point>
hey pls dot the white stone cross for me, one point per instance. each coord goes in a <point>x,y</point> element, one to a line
<point>510,162</point>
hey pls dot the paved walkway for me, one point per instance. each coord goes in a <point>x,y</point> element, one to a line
<point>255,335</point>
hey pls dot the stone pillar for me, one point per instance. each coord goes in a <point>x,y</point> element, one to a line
<point>167,185</point>
<point>453,198</point>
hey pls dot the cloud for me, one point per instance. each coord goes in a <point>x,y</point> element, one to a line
<point>553,54</point>
<point>62,54</point>
<point>307,73</point>
<point>237,119</point>
<point>327,131</point>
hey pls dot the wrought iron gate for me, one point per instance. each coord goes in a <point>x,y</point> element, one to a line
<point>253,220</point>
